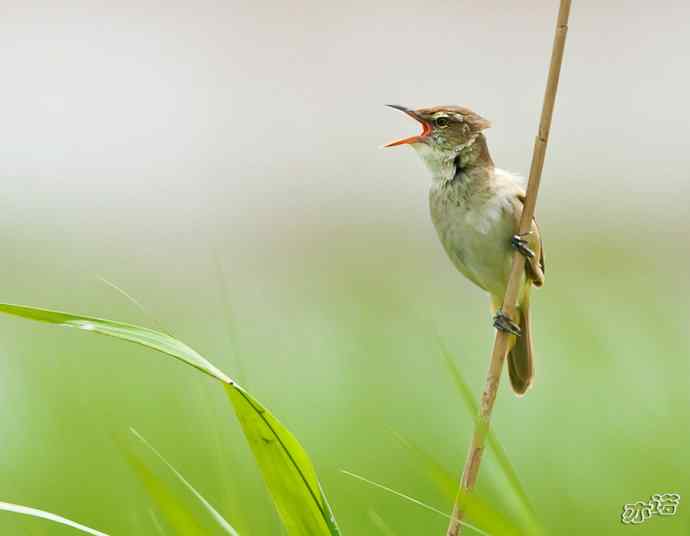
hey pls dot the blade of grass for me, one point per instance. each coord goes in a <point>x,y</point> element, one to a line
<point>120,330</point>
<point>177,515</point>
<point>444,479</point>
<point>126,294</point>
<point>224,458</point>
<point>494,445</point>
<point>230,330</point>
<point>133,301</point>
<point>380,524</point>
<point>212,511</point>
<point>156,523</point>
<point>35,512</point>
<point>410,499</point>
<point>303,509</point>
<point>287,470</point>
<point>477,510</point>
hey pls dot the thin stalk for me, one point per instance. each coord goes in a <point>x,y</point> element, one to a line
<point>502,340</point>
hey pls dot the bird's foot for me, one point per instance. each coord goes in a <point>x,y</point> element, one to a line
<point>519,243</point>
<point>503,322</point>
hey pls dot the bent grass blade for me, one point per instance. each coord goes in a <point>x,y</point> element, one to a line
<point>35,512</point>
<point>144,336</point>
<point>284,463</point>
<point>287,469</point>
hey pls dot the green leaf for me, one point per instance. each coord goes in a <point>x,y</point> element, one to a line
<point>286,467</point>
<point>287,470</point>
<point>34,512</point>
<point>144,336</point>
<point>219,519</point>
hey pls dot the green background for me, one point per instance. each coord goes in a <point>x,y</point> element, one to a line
<point>220,164</point>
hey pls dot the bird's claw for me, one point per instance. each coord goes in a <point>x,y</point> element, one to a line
<point>502,322</point>
<point>519,243</point>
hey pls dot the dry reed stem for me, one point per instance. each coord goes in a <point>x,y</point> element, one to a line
<point>501,342</point>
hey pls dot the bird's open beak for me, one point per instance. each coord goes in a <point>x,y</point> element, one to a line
<point>426,128</point>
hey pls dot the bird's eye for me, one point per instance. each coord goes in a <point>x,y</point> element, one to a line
<point>441,122</point>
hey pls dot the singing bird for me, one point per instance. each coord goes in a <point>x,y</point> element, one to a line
<point>476,210</point>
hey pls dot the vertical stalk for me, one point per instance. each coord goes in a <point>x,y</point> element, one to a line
<point>501,342</point>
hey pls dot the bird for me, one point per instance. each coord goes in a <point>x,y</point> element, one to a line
<point>476,209</point>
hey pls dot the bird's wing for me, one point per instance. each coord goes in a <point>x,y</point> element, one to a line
<point>535,266</point>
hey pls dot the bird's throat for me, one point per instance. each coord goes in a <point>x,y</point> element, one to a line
<point>447,166</point>
<point>440,163</point>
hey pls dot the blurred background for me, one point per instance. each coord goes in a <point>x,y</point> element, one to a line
<point>220,162</point>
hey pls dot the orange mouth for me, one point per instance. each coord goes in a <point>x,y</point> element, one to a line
<point>426,128</point>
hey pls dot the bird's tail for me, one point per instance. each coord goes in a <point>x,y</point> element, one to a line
<point>520,361</point>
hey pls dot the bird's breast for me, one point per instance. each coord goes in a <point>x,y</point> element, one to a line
<point>475,234</point>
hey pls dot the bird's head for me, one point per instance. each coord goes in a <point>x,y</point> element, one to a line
<point>445,129</point>
<point>448,138</point>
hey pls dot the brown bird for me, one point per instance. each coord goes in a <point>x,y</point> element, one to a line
<point>476,210</point>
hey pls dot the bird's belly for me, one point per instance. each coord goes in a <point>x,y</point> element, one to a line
<point>478,243</point>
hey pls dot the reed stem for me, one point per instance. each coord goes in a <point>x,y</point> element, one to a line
<point>501,342</point>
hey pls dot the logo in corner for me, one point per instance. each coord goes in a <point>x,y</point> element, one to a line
<point>661,504</point>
